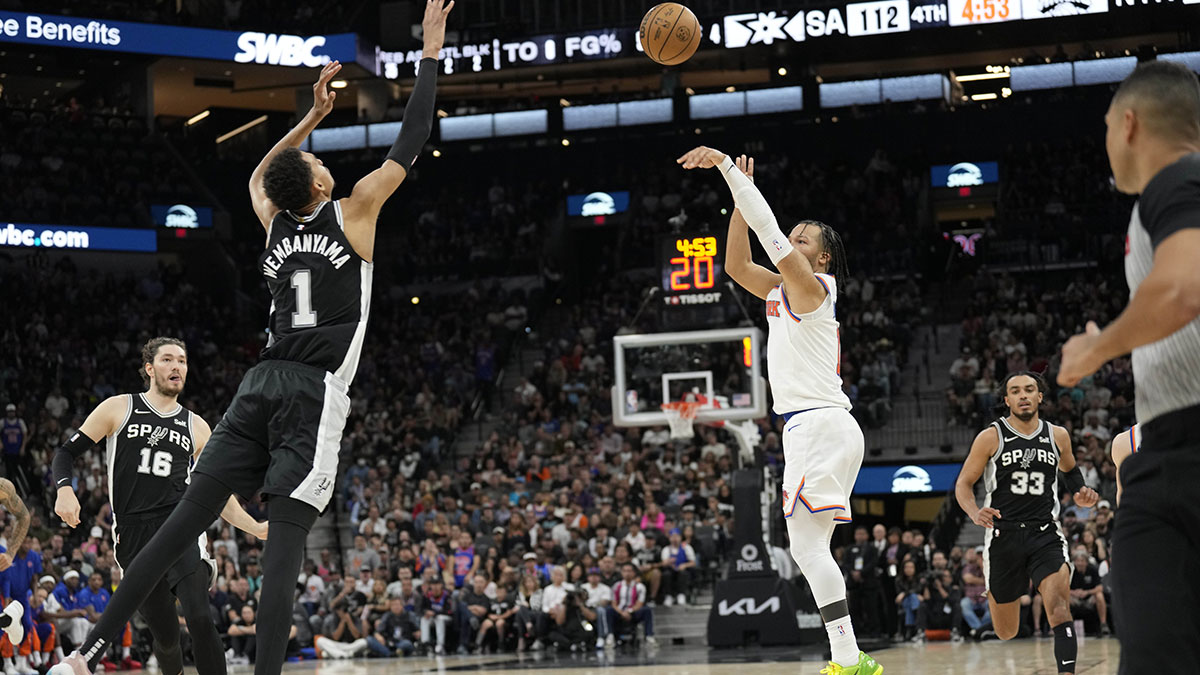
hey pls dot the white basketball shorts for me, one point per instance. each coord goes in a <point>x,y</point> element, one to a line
<point>822,453</point>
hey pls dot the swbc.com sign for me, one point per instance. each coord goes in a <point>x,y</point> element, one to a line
<point>22,235</point>
<point>201,43</point>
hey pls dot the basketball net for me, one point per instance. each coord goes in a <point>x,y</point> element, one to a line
<point>681,415</point>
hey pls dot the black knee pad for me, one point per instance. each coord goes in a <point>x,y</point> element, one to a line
<point>1065,647</point>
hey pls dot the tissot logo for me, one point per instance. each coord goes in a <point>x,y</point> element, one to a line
<point>747,606</point>
<point>964,174</point>
<point>280,50</point>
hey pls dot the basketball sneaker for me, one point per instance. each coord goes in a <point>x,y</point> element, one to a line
<point>866,666</point>
<point>15,630</point>
<point>72,665</point>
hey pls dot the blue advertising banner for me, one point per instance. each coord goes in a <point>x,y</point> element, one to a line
<point>904,479</point>
<point>24,235</point>
<point>197,43</point>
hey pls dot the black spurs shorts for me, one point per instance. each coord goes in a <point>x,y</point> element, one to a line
<point>1017,553</point>
<point>281,434</point>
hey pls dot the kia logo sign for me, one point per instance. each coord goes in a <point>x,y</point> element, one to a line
<point>280,50</point>
<point>182,215</point>
<point>747,606</point>
<point>911,479</point>
<point>599,204</point>
<point>964,174</point>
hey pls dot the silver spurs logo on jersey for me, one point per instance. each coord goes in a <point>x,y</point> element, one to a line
<point>153,434</point>
<point>1030,455</point>
<point>304,243</point>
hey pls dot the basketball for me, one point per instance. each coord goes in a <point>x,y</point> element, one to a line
<point>670,33</point>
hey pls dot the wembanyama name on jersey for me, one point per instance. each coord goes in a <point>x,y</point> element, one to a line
<point>303,243</point>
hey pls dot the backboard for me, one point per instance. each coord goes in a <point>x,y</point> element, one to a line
<point>723,366</point>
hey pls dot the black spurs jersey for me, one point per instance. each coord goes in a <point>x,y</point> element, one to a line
<point>1021,479</point>
<point>320,291</point>
<point>149,458</point>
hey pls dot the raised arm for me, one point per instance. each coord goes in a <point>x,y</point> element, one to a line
<point>13,504</point>
<point>805,292</point>
<point>361,208</point>
<point>323,99</point>
<point>233,513</point>
<point>102,422</point>
<point>739,263</point>
<point>982,449</point>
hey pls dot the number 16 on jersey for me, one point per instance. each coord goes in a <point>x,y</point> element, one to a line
<point>877,18</point>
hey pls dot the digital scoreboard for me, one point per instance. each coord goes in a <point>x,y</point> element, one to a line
<point>692,266</point>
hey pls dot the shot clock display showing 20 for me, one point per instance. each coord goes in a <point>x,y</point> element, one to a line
<point>691,268</point>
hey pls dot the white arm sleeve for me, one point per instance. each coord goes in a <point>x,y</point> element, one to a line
<point>756,211</point>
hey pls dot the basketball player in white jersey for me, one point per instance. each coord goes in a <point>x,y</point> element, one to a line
<point>822,442</point>
<point>1124,444</point>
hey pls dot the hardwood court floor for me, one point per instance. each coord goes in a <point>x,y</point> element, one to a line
<point>1021,657</point>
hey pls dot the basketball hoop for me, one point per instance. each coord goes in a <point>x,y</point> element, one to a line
<point>681,415</point>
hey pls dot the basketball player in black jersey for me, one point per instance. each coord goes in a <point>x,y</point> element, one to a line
<point>1019,457</point>
<point>283,430</point>
<point>150,444</point>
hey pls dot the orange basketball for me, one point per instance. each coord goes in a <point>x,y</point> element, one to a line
<point>670,33</point>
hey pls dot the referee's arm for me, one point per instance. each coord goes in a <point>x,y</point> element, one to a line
<point>1166,301</point>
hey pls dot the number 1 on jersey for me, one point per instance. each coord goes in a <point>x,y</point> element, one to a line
<point>304,316</point>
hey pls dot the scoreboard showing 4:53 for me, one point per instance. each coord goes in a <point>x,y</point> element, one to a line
<point>692,269</point>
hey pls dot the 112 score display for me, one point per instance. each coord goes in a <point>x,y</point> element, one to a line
<point>690,264</point>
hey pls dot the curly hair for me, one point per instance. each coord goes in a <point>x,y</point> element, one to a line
<point>288,180</point>
<point>150,351</point>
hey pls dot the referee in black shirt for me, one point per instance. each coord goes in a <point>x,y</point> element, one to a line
<point>1153,143</point>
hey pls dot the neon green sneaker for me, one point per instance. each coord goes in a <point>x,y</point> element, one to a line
<point>866,666</point>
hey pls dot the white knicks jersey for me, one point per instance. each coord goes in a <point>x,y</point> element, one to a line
<point>804,353</point>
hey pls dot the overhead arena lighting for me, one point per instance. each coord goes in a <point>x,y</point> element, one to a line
<point>197,117</point>
<point>248,125</point>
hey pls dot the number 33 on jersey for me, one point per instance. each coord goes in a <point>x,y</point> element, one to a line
<point>1022,476</point>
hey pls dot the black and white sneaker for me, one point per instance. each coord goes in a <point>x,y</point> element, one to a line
<point>15,630</point>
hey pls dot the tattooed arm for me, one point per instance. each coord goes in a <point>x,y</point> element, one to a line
<point>13,504</point>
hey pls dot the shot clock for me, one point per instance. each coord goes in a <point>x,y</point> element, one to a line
<point>692,269</point>
<point>690,264</point>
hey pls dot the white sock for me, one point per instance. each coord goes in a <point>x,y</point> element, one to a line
<point>842,645</point>
<point>124,652</point>
<point>58,653</point>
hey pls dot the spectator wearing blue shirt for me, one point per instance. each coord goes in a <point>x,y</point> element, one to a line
<point>94,600</point>
<point>17,581</point>
<point>94,597</point>
<point>66,594</point>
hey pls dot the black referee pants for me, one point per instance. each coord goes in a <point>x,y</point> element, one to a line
<point>1156,550</point>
